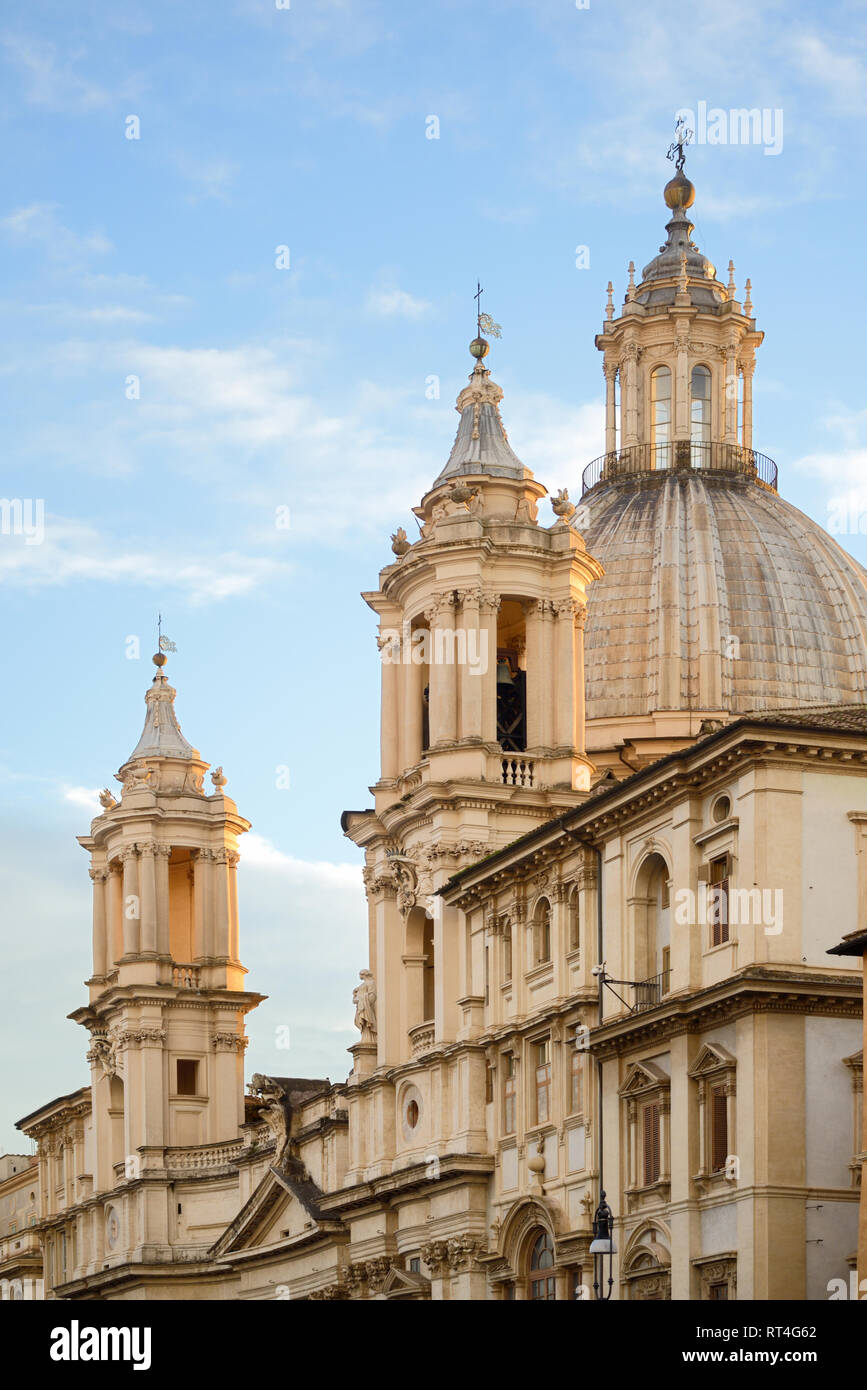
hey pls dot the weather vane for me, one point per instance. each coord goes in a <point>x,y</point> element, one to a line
<point>484,321</point>
<point>676,149</point>
<point>164,644</point>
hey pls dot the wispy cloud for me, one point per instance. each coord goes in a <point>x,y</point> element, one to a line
<point>52,81</point>
<point>83,796</point>
<point>73,552</point>
<point>388,301</point>
<point>38,225</point>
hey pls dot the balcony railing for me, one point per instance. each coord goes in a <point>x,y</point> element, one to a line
<point>681,456</point>
<point>186,976</point>
<point>646,994</point>
<point>422,1037</point>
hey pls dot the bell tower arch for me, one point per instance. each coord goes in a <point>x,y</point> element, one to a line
<point>482,715</point>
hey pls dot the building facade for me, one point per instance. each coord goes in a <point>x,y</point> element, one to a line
<point>610,845</point>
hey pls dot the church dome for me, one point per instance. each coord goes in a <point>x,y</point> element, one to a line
<point>717,595</point>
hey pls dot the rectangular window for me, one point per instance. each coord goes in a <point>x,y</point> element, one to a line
<point>666,968</point>
<point>487,975</point>
<point>507,953</point>
<point>509,1094</point>
<point>489,1084</point>
<point>543,1082</point>
<point>415,1264</point>
<point>718,900</point>
<point>576,1101</point>
<point>650,1125</point>
<point>187,1077</point>
<point>718,1292</point>
<point>719,1123</point>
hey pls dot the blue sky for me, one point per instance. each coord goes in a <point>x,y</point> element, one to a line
<point>304,387</point>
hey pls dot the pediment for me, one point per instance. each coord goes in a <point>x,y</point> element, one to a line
<point>712,1057</point>
<point>644,1076</point>
<point>282,1210</point>
<point>404,1284</point>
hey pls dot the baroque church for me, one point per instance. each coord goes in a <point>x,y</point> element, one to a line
<point>619,825</point>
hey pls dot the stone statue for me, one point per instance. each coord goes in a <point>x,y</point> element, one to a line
<point>105,1054</point>
<point>106,800</point>
<point>275,1113</point>
<point>364,999</point>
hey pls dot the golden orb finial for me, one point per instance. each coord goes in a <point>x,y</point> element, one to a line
<point>159,659</point>
<point>679,192</point>
<point>479,348</point>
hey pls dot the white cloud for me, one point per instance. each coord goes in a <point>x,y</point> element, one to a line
<point>74,552</point>
<point>390,302</point>
<point>841,74</point>
<point>39,225</point>
<point>261,853</point>
<point>50,81</point>
<point>83,796</point>
<point>210,178</point>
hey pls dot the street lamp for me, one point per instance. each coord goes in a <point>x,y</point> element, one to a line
<point>601,1245</point>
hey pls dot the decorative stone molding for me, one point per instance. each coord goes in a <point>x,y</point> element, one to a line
<point>464,1252</point>
<point>435,1254</point>
<point>141,1037</point>
<point>331,1293</point>
<point>716,1270</point>
<point>229,1042</point>
<point>376,1272</point>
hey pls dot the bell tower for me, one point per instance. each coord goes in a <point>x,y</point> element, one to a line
<point>482,719</point>
<point>167,997</point>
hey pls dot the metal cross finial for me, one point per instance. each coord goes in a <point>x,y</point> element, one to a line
<point>478,298</point>
<point>676,149</point>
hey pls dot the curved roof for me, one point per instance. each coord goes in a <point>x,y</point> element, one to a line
<point>717,595</point>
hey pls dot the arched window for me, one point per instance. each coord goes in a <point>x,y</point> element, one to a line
<point>660,417</point>
<point>542,1282</point>
<point>542,932</point>
<point>574,920</point>
<point>700,417</point>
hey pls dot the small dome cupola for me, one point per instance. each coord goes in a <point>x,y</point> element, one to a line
<point>481,445</point>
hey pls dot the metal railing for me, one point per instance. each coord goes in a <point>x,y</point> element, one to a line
<point>646,994</point>
<point>681,456</point>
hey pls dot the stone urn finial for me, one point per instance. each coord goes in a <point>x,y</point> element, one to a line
<point>399,542</point>
<point>218,779</point>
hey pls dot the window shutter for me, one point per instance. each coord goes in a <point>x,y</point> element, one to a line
<point>651,1144</point>
<point>719,1128</point>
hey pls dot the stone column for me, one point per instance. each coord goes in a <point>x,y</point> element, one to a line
<point>131,902</point>
<point>147,875</point>
<point>731,396</point>
<point>389,654</point>
<point>161,864</point>
<point>538,674</point>
<point>610,407</point>
<point>569,683</point>
<point>680,383</point>
<point>234,926</point>
<point>747,367</point>
<point>470,676</point>
<point>222,905</point>
<point>412,685</point>
<point>114,904</point>
<point>200,873</point>
<point>443,672</point>
<point>629,395</point>
<point>488,610</point>
<point>100,940</point>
